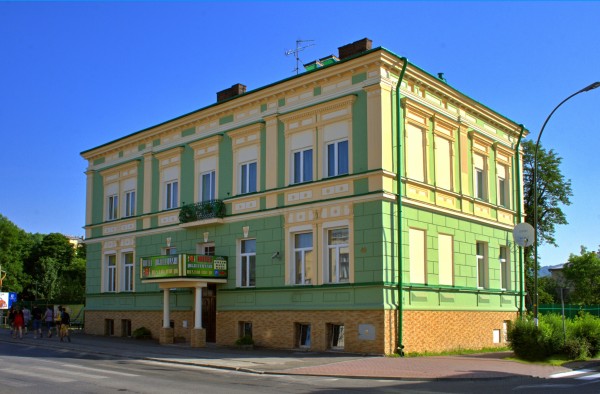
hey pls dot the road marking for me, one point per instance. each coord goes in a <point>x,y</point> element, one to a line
<point>589,377</point>
<point>570,373</point>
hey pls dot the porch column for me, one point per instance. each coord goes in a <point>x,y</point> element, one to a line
<point>199,333</point>
<point>166,334</point>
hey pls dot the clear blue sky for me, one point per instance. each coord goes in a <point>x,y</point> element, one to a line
<point>75,75</point>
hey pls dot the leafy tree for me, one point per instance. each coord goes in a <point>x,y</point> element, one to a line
<point>12,249</point>
<point>582,274</point>
<point>553,191</point>
<point>47,279</point>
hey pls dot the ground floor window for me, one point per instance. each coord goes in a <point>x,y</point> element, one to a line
<point>125,328</point>
<point>336,336</point>
<point>109,327</point>
<point>245,329</point>
<point>303,335</point>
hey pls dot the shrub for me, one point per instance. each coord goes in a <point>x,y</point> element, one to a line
<point>577,348</point>
<point>245,340</point>
<point>587,327</point>
<point>525,338</point>
<point>142,333</point>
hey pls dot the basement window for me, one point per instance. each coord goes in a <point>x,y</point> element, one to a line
<point>336,336</point>
<point>109,327</point>
<point>303,335</point>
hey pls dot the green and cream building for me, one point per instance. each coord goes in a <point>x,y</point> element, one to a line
<point>362,205</point>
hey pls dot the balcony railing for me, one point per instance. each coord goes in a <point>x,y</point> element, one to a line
<point>202,211</point>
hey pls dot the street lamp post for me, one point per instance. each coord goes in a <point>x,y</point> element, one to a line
<point>535,197</point>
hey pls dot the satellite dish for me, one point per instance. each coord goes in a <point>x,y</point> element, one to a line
<point>524,234</point>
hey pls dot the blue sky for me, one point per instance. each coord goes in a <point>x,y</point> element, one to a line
<point>75,75</point>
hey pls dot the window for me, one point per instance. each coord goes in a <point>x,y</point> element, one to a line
<point>443,163</point>
<point>248,177</point>
<point>482,265</point>
<point>127,275</point>
<point>503,189</point>
<point>416,253</point>
<point>303,335</point>
<point>125,328</point>
<point>172,195</point>
<point>303,256</point>
<point>207,249</point>
<point>109,327</point>
<point>445,260</point>
<point>207,186</point>
<point>303,166</point>
<point>130,203</point>
<point>337,158</point>
<point>415,153</point>
<point>336,336</point>
<point>479,177</point>
<point>338,256</point>
<point>170,251</point>
<point>248,263</point>
<point>245,329</point>
<point>111,273</point>
<point>504,268</point>
<point>113,207</point>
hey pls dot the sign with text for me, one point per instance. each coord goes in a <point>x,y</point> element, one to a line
<point>183,266</point>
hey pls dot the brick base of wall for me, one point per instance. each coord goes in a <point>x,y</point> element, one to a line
<point>372,332</point>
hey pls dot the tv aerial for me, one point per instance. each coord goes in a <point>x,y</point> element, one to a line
<point>295,52</point>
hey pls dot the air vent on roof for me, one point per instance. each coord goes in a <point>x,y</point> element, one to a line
<point>355,48</point>
<point>233,91</point>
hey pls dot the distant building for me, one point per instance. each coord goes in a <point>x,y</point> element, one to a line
<point>74,240</point>
<point>299,214</point>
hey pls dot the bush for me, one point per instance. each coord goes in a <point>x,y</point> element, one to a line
<point>142,333</point>
<point>244,341</point>
<point>525,340</point>
<point>587,327</point>
<point>577,349</point>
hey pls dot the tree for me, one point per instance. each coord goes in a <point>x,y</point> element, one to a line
<point>582,274</point>
<point>12,249</point>
<point>553,191</point>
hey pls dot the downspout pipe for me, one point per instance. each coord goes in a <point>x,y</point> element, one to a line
<point>400,345</point>
<point>517,159</point>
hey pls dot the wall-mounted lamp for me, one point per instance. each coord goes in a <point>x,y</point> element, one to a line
<point>275,255</point>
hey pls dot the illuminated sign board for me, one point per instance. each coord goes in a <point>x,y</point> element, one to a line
<point>183,266</point>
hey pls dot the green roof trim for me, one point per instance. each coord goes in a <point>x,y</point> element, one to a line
<point>358,78</point>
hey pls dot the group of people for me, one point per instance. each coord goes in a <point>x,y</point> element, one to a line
<point>19,318</point>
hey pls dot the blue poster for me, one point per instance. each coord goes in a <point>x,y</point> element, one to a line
<point>12,299</point>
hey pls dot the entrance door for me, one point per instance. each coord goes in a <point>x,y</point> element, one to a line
<point>209,312</point>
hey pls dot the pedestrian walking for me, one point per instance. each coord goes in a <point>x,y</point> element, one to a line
<point>10,320</point>
<point>49,320</point>
<point>19,322</point>
<point>26,318</point>
<point>36,314</point>
<point>65,321</point>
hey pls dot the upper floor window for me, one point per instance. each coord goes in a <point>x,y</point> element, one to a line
<point>248,177</point>
<point>504,268</point>
<point>113,207</point>
<point>111,273</point>
<point>130,203</point>
<point>443,163</point>
<point>503,186</point>
<point>417,255</point>
<point>303,166</point>
<point>415,153</point>
<point>171,194</point>
<point>479,177</point>
<point>482,265</point>
<point>207,186</point>
<point>337,158</point>
<point>247,267</point>
<point>338,256</point>
<point>303,255</point>
<point>127,273</point>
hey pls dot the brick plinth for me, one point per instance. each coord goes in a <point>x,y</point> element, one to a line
<point>198,337</point>
<point>166,336</point>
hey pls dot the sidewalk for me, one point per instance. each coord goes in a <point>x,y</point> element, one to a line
<point>290,362</point>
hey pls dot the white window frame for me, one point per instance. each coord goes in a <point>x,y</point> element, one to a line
<point>247,267</point>
<point>481,252</point>
<point>480,180</point>
<point>110,264</point>
<point>504,259</point>
<point>444,167</point>
<point>417,255</point>
<point>416,155</point>
<point>445,259</point>
<point>330,277</point>
<point>172,194</point>
<point>336,171</point>
<point>212,176</point>
<point>245,185</point>
<point>299,166</point>
<point>206,249</point>
<point>129,203</point>
<point>336,340</point>
<point>127,272</point>
<point>503,186</point>
<point>112,207</point>
<point>305,276</point>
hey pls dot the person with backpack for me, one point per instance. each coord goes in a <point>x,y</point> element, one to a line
<point>65,321</point>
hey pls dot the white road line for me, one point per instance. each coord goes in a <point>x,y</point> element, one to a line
<point>570,373</point>
<point>99,370</point>
<point>42,377</point>
<point>64,371</point>
<point>589,377</point>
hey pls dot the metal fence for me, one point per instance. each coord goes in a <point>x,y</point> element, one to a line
<point>570,310</point>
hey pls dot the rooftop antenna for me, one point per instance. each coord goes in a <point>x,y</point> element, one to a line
<point>296,51</point>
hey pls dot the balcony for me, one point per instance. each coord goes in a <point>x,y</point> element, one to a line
<point>202,213</point>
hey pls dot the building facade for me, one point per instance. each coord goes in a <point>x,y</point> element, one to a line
<point>362,206</point>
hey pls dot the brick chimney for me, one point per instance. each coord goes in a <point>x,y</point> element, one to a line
<point>355,48</point>
<point>233,91</point>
